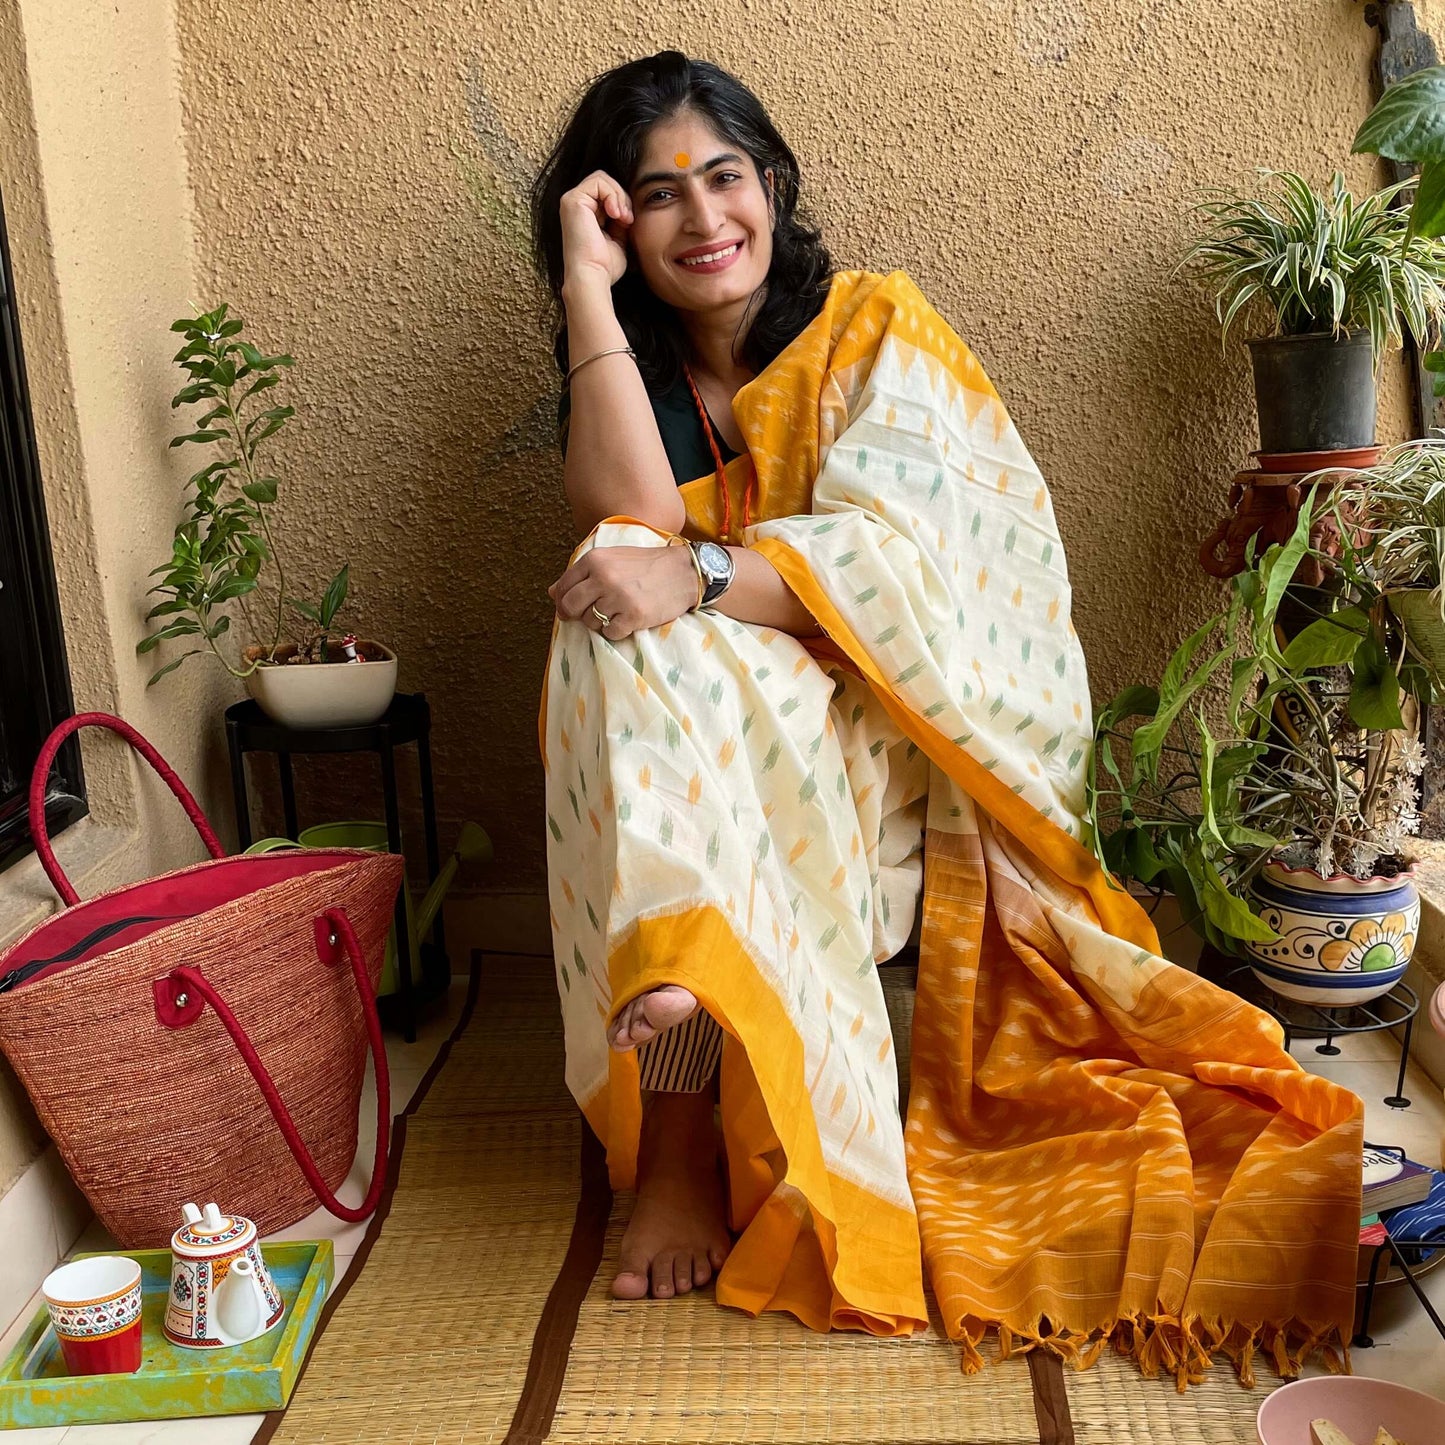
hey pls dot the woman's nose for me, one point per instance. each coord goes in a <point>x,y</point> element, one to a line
<point>703,214</point>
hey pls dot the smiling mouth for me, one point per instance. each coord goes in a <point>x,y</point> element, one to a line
<point>711,258</point>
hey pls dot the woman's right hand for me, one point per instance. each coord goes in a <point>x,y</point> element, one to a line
<point>595,217</point>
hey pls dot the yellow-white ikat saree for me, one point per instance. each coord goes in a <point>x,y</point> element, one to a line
<point>1099,1146</point>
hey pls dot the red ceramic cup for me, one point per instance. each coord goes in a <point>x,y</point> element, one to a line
<point>95,1311</point>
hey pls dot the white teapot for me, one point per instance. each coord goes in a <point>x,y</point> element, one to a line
<point>221,1291</point>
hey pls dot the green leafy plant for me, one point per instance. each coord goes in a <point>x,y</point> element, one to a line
<point>1408,125</point>
<point>1320,261</point>
<point>1252,748</point>
<point>226,536</point>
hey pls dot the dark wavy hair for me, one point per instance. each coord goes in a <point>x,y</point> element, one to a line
<point>606,132</point>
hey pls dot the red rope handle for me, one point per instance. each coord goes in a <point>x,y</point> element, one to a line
<point>193,979</point>
<point>722,480</point>
<point>41,774</point>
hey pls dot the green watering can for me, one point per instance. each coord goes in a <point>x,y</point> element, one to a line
<point>473,846</point>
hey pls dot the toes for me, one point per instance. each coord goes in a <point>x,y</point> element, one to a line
<point>630,1284</point>
<point>682,1274</point>
<point>663,1284</point>
<point>701,1270</point>
<point>717,1255</point>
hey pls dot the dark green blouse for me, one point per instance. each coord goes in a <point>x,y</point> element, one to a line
<point>682,435</point>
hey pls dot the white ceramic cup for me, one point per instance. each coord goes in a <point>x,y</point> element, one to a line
<point>95,1310</point>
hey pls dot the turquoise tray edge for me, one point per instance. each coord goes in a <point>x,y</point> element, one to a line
<point>248,1379</point>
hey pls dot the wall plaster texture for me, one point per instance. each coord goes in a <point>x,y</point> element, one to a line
<point>358,169</point>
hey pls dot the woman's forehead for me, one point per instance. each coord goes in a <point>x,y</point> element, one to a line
<point>681,143</point>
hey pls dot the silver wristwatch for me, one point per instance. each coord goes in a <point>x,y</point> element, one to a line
<point>715,568</point>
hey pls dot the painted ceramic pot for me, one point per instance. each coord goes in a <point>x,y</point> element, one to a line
<point>1342,940</point>
<point>221,1291</point>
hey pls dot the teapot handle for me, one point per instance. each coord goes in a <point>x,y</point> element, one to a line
<point>175,1010</point>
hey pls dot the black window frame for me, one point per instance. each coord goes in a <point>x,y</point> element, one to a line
<point>34,672</point>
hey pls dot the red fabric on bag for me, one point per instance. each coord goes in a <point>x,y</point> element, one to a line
<point>191,892</point>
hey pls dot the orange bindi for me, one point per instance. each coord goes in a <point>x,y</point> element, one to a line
<point>682,160</point>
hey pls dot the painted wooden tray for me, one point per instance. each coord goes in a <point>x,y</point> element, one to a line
<point>173,1383</point>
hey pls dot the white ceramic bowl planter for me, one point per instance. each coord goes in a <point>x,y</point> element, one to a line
<point>326,694</point>
<point>1342,940</point>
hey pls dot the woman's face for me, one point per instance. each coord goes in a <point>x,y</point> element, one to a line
<point>697,195</point>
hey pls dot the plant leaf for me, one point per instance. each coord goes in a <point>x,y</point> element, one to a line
<point>261,491</point>
<point>1427,214</point>
<point>1327,641</point>
<point>1408,121</point>
<point>1375,689</point>
<point>155,677</point>
<point>181,627</point>
<point>335,596</point>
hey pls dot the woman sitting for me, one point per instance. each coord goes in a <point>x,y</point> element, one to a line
<point>813,672</point>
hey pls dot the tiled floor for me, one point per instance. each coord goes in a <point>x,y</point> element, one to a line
<point>1407,1348</point>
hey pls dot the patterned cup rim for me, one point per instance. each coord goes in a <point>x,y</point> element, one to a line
<point>85,1283</point>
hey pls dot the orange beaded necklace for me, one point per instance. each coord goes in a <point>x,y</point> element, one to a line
<point>722,481</point>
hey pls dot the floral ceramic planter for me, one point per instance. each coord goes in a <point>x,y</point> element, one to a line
<point>1342,940</point>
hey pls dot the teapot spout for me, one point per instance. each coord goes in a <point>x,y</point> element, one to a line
<point>240,1304</point>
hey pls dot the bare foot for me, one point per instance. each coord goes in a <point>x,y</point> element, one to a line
<point>677,1238</point>
<point>651,1014</point>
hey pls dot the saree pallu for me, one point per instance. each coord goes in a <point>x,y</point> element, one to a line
<point>1100,1147</point>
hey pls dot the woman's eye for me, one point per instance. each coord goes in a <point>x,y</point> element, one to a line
<point>656,196</point>
<point>728,176</point>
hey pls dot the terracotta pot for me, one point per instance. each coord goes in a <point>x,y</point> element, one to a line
<point>1352,458</point>
<point>323,694</point>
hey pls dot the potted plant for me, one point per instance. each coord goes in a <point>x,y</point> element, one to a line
<point>1270,784</point>
<point>225,542</point>
<point>1335,277</point>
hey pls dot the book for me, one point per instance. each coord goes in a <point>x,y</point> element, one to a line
<point>1392,1181</point>
<point>1372,1231</point>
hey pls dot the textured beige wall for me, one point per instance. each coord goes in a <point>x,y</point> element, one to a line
<point>357,169</point>
<point>92,170</point>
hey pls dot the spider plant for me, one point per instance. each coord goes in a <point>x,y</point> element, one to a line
<point>1317,261</point>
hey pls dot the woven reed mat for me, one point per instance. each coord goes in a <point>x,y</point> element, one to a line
<point>482,1313</point>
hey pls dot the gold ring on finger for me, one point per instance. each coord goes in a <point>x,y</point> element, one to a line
<point>602,617</point>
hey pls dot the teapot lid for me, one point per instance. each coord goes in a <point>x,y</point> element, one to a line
<point>208,1231</point>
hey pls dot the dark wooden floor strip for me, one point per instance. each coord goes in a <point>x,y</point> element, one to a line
<point>1051,1400</point>
<point>552,1344</point>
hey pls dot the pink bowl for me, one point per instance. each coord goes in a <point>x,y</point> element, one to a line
<point>1357,1404</point>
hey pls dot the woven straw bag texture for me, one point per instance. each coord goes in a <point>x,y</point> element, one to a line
<point>148,1116</point>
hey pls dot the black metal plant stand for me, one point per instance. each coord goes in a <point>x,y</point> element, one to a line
<point>1396,1009</point>
<point>407,720</point>
<point>1363,1339</point>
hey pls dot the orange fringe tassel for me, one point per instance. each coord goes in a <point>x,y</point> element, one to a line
<point>1167,1344</point>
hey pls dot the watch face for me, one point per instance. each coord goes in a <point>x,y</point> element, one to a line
<point>714,559</point>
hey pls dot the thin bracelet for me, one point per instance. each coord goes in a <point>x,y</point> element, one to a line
<point>701,580</point>
<point>597,356</point>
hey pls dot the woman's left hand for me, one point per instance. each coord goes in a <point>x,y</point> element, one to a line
<point>634,588</point>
